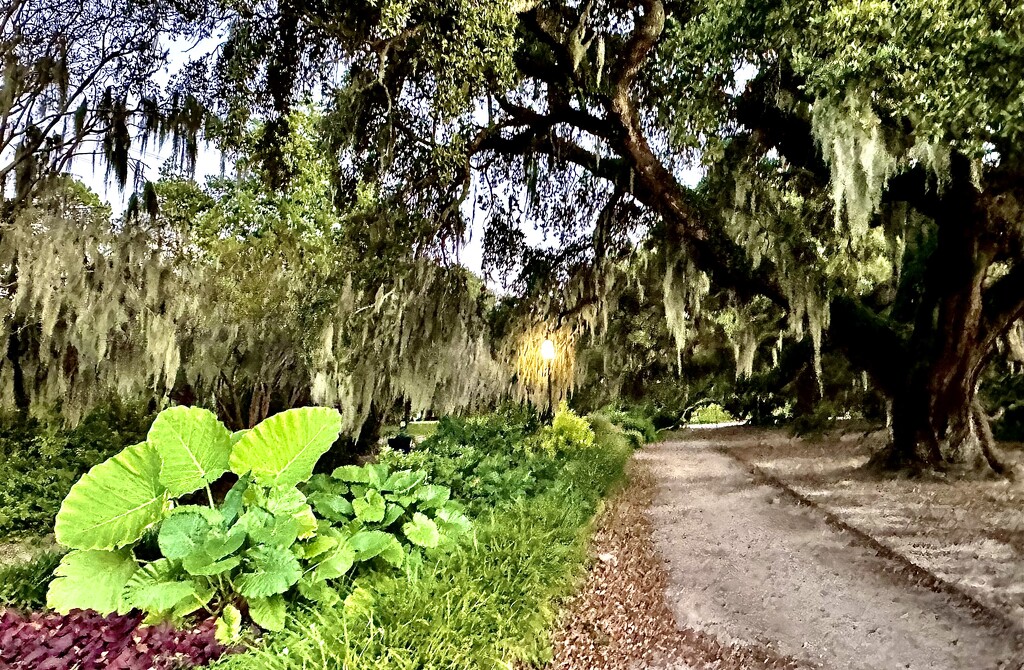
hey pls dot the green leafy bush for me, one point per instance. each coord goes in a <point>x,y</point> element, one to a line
<point>634,420</point>
<point>483,460</point>
<point>487,604</point>
<point>23,585</point>
<point>40,460</point>
<point>710,413</point>
<point>568,433</point>
<point>261,545</point>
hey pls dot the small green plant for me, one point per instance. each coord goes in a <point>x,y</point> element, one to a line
<point>23,585</point>
<point>710,413</point>
<point>146,532</point>
<point>568,433</point>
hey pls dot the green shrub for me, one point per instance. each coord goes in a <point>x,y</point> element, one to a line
<point>40,460</point>
<point>23,585</point>
<point>485,460</point>
<point>634,419</point>
<point>710,413</point>
<point>568,433</point>
<point>262,544</point>
<point>485,605</point>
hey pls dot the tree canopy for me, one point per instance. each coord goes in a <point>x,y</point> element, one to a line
<point>860,162</point>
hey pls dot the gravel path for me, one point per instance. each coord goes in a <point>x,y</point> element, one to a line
<point>746,565</point>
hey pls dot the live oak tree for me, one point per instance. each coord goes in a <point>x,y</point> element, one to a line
<point>861,162</point>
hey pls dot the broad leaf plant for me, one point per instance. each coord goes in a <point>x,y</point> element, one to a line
<point>146,531</point>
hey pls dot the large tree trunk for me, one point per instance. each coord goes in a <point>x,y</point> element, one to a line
<point>947,435</point>
<point>937,421</point>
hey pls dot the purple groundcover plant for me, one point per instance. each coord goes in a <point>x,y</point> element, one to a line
<point>85,640</point>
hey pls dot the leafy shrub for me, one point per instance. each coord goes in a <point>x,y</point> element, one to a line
<point>485,605</point>
<point>710,413</point>
<point>483,460</point>
<point>633,420</point>
<point>90,641</point>
<point>568,433</point>
<point>23,585</point>
<point>261,544</point>
<point>40,460</point>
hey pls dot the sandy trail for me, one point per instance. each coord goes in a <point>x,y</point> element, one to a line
<point>745,564</point>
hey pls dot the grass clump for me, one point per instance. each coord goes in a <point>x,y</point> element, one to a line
<point>23,585</point>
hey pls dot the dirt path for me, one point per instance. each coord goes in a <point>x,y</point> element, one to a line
<point>745,564</point>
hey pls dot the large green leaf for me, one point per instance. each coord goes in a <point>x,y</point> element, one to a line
<point>266,528</point>
<point>221,543</point>
<point>282,450</point>
<point>182,534</point>
<point>336,563</point>
<point>370,543</point>
<point>158,587</point>
<point>194,448</point>
<point>268,613</point>
<point>331,506</point>
<point>422,531</point>
<point>270,570</point>
<point>114,503</point>
<point>405,480</point>
<point>92,580</point>
<point>289,501</point>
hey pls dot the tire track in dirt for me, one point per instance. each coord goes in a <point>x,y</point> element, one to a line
<point>746,564</point>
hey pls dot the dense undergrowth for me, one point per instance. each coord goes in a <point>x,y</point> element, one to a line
<point>40,460</point>
<point>492,601</point>
<point>530,492</point>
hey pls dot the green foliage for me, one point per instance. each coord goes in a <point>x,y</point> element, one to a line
<point>487,604</point>
<point>567,434</point>
<point>282,450</point>
<point>193,447</point>
<point>485,461</point>
<point>114,503</point>
<point>41,460</point>
<point>91,579</point>
<point>634,420</point>
<point>394,515</point>
<point>710,413</point>
<point>263,543</point>
<point>23,585</point>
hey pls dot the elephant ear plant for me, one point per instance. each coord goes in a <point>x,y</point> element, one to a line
<point>256,550</point>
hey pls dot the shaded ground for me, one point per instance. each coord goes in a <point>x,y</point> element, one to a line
<point>967,533</point>
<point>745,563</point>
